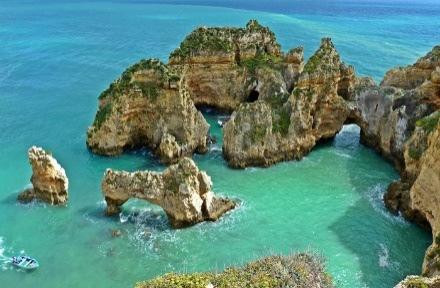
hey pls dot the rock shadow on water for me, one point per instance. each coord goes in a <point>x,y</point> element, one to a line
<point>387,247</point>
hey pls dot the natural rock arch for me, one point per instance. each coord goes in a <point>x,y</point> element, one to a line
<point>182,190</point>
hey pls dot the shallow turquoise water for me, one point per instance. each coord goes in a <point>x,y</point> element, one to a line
<point>56,58</point>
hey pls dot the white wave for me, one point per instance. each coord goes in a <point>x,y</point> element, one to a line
<point>345,155</point>
<point>375,197</point>
<point>215,148</point>
<point>384,256</point>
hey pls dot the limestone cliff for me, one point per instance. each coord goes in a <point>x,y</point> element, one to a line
<point>49,180</point>
<point>402,123</point>
<point>412,76</point>
<point>181,190</point>
<point>219,63</point>
<point>283,125</point>
<point>419,282</point>
<point>148,106</point>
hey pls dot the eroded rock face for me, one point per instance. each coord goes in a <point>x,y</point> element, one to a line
<point>406,130</point>
<point>283,125</point>
<point>49,180</point>
<point>411,77</point>
<point>148,106</point>
<point>417,281</point>
<point>219,63</point>
<point>181,190</point>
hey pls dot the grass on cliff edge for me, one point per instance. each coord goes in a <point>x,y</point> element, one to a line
<point>429,123</point>
<point>299,270</point>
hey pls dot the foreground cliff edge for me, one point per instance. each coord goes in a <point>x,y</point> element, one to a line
<point>282,108</point>
<point>182,190</point>
<point>300,270</point>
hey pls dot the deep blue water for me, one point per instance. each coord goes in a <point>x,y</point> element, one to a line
<point>56,57</point>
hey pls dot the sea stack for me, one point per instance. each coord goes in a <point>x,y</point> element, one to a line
<point>49,180</point>
<point>182,190</point>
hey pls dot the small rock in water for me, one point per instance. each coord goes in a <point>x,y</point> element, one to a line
<point>116,233</point>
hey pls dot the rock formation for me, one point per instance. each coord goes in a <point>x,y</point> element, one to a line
<point>148,106</point>
<point>49,180</point>
<point>400,119</point>
<point>152,104</point>
<point>282,109</point>
<point>419,282</point>
<point>219,63</point>
<point>181,190</point>
<point>283,125</point>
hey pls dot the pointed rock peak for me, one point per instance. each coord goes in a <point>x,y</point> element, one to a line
<point>326,43</point>
<point>326,58</point>
<point>253,25</point>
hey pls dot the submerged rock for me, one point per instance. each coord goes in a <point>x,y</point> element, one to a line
<point>299,270</point>
<point>181,190</point>
<point>49,180</point>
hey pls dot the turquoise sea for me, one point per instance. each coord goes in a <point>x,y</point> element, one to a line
<point>55,59</point>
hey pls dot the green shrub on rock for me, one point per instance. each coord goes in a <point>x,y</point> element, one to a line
<point>300,270</point>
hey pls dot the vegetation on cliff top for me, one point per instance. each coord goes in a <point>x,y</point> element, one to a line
<point>300,270</point>
<point>216,39</point>
<point>125,82</point>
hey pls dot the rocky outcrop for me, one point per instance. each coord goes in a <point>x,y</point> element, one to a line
<point>49,180</point>
<point>219,63</point>
<point>152,104</point>
<point>148,106</point>
<point>283,125</point>
<point>419,282</point>
<point>181,190</point>
<point>300,270</point>
<point>387,114</point>
<point>413,76</point>
<point>401,122</point>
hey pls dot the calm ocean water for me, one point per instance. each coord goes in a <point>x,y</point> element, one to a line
<point>57,56</point>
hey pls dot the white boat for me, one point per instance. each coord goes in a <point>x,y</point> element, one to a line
<point>25,262</point>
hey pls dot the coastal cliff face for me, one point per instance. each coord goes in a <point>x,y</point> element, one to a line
<point>49,180</point>
<point>181,190</point>
<point>148,106</point>
<point>219,63</point>
<point>412,116</point>
<point>387,114</point>
<point>286,125</point>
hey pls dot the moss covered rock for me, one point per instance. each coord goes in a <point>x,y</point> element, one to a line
<point>299,270</point>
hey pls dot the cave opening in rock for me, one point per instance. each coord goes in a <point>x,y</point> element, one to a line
<point>253,96</point>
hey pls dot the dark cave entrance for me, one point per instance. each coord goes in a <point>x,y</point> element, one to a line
<point>253,96</point>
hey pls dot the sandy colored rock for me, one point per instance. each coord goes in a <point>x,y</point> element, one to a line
<point>419,282</point>
<point>219,63</point>
<point>49,180</point>
<point>182,190</point>
<point>148,106</point>
<point>285,125</point>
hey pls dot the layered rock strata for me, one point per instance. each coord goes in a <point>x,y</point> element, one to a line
<point>49,180</point>
<point>219,63</point>
<point>148,106</point>
<point>182,190</point>
<point>285,125</point>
